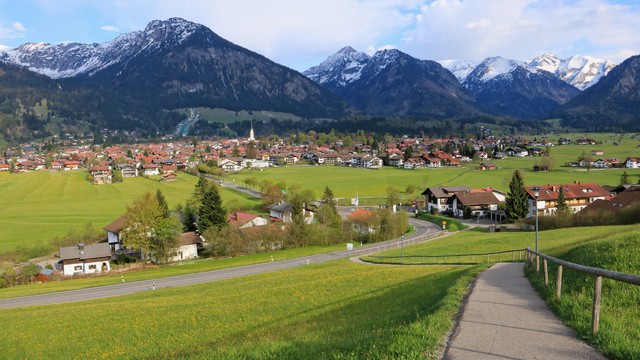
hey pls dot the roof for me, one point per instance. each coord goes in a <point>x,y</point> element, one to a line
<point>116,226</point>
<point>571,191</point>
<point>93,251</point>
<point>190,238</point>
<point>477,198</point>
<point>239,218</point>
<point>361,215</point>
<point>283,207</point>
<point>445,191</point>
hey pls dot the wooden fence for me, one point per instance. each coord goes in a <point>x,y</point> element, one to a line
<point>597,272</point>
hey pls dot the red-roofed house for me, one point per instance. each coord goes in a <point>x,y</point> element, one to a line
<point>243,220</point>
<point>577,196</point>
<point>362,221</point>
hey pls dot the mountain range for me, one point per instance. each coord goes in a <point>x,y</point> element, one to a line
<point>139,80</point>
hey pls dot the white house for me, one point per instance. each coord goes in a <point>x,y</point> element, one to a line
<point>85,259</point>
<point>113,233</point>
<point>243,220</point>
<point>576,196</point>
<point>187,248</point>
<point>632,163</point>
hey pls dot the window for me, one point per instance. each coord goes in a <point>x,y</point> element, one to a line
<point>93,267</point>
<point>77,268</point>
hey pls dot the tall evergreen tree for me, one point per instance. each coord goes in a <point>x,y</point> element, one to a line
<point>211,213</point>
<point>625,179</point>
<point>516,204</point>
<point>162,203</point>
<point>189,218</point>
<point>327,198</point>
<point>298,228</point>
<point>562,204</point>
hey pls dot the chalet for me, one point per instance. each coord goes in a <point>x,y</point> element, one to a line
<point>576,196</point>
<point>517,152</point>
<point>369,162</point>
<point>585,141</point>
<point>243,220</point>
<point>629,197</point>
<point>632,163</point>
<point>5,167</point>
<point>114,239</point>
<point>480,203</point>
<point>431,162</point>
<point>229,165</point>
<point>85,259</point>
<point>188,244</point>
<point>150,169</point>
<point>395,160</point>
<point>71,165</point>
<point>487,166</point>
<point>327,159</point>
<point>482,155</point>
<point>440,198</point>
<point>100,174</point>
<point>414,163</point>
<point>169,169</point>
<point>280,211</point>
<point>128,170</point>
<point>597,152</point>
<point>168,177</point>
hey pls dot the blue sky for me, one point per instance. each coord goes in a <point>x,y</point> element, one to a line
<point>300,34</point>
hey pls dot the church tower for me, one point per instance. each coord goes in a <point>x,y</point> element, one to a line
<point>251,135</point>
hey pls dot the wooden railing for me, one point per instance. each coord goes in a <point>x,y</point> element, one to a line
<point>597,272</point>
<point>444,259</point>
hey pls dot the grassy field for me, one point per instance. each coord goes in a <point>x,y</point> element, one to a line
<point>35,207</point>
<point>619,335</point>
<point>187,267</point>
<point>328,311</point>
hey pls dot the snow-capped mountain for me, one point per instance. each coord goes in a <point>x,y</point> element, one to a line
<point>73,59</point>
<point>392,83</point>
<point>580,71</point>
<point>339,69</point>
<point>459,68</point>
<point>512,88</point>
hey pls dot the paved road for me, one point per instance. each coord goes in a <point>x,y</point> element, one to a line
<point>243,189</point>
<point>504,318</point>
<point>424,231</point>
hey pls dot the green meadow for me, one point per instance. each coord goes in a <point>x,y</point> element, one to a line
<point>35,207</point>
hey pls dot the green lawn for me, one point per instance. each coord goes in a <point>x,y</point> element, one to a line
<point>35,207</point>
<point>327,311</point>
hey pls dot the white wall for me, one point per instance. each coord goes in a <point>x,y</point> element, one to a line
<point>89,267</point>
<point>185,252</point>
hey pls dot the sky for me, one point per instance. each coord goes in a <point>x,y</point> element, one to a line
<point>302,33</point>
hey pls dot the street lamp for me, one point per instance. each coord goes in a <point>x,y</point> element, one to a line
<point>536,194</point>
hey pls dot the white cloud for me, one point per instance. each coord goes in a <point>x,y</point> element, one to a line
<point>523,29</point>
<point>13,31</point>
<point>370,50</point>
<point>110,28</point>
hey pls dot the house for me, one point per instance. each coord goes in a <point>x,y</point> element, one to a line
<point>626,198</point>
<point>243,220</point>
<point>362,221</point>
<point>632,163</point>
<point>517,152</point>
<point>5,167</point>
<point>414,163</point>
<point>487,166</point>
<point>230,164</point>
<point>371,162</point>
<point>440,198</point>
<point>597,152</point>
<point>395,160</point>
<point>482,155</point>
<point>187,247</point>
<point>280,211</point>
<point>114,239</point>
<point>85,259</point>
<point>327,159</point>
<point>100,174</point>
<point>585,141</point>
<point>480,203</point>
<point>128,170</point>
<point>150,169</point>
<point>576,196</point>
<point>168,177</point>
<point>43,275</point>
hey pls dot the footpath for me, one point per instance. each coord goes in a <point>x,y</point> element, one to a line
<point>504,318</point>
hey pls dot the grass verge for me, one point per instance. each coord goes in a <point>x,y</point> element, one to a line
<point>619,335</point>
<point>337,310</point>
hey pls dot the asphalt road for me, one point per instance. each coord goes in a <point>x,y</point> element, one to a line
<point>424,232</point>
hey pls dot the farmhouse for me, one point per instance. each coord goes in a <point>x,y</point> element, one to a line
<point>100,174</point>
<point>85,259</point>
<point>577,196</point>
<point>243,220</point>
<point>362,221</point>
<point>479,203</point>
<point>627,198</point>
<point>440,198</point>
<point>113,233</point>
<point>187,247</point>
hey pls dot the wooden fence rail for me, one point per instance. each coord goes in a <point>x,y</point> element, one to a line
<point>597,272</point>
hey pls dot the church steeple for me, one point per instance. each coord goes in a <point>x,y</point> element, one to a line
<point>251,135</point>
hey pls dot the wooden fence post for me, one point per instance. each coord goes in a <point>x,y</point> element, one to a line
<point>559,282</point>
<point>546,273</point>
<point>537,264</point>
<point>597,298</point>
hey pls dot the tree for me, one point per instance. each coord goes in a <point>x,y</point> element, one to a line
<point>211,213</point>
<point>625,179</point>
<point>408,153</point>
<point>162,203</point>
<point>393,196</point>
<point>271,195</point>
<point>165,239</point>
<point>327,198</point>
<point>562,204</point>
<point>189,218</point>
<point>298,230</point>
<point>517,204</point>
